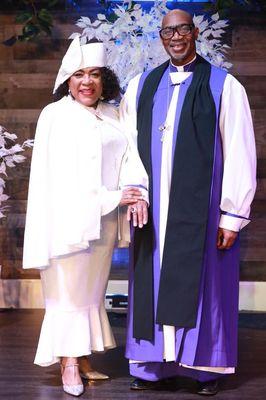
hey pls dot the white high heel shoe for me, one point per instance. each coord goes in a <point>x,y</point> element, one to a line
<point>73,390</point>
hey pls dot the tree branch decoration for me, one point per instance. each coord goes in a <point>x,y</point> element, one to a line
<point>36,18</point>
<point>132,39</point>
<point>226,7</point>
<point>9,157</point>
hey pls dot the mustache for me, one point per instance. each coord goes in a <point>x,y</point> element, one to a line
<point>177,41</point>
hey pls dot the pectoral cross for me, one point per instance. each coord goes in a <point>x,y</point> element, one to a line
<point>163,128</point>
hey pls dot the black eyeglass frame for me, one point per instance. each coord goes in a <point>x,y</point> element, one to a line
<point>175,29</point>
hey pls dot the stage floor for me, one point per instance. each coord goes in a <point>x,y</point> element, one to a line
<point>20,379</point>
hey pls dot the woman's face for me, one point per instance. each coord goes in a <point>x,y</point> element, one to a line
<point>86,86</point>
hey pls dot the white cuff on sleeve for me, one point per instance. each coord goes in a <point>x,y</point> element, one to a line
<point>232,223</point>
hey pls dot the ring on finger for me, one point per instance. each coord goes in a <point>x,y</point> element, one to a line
<point>133,210</point>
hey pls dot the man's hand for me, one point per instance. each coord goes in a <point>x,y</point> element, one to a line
<point>138,213</point>
<point>226,238</point>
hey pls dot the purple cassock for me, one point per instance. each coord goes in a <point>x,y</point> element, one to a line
<point>213,341</point>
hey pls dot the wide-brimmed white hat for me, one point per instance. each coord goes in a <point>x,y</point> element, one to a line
<point>80,56</point>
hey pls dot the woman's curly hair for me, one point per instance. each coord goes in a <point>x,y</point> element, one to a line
<point>111,88</point>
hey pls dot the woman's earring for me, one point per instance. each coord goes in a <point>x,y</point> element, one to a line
<point>70,94</point>
<point>101,98</point>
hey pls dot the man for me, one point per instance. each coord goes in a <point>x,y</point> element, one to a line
<point>192,124</point>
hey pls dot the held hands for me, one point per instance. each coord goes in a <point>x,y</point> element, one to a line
<point>225,238</point>
<point>130,196</point>
<point>138,213</point>
<point>137,210</point>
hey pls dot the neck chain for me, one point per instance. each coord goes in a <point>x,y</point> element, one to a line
<point>163,128</point>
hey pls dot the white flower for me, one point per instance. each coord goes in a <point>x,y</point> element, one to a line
<point>3,197</point>
<point>15,149</point>
<point>198,19</point>
<point>215,17</point>
<point>217,33</point>
<point>17,158</point>
<point>222,23</point>
<point>133,42</point>
<point>3,168</point>
<point>9,162</point>
<point>2,185</point>
<point>28,143</point>
<point>83,22</point>
<point>10,136</point>
<point>101,17</point>
<point>9,157</point>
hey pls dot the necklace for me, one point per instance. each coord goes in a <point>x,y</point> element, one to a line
<point>163,128</point>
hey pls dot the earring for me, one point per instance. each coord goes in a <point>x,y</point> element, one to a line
<point>101,98</point>
<point>70,94</point>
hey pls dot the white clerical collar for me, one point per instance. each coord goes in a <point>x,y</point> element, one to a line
<point>180,68</point>
<point>179,77</point>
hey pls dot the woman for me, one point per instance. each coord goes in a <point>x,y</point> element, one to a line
<point>80,160</point>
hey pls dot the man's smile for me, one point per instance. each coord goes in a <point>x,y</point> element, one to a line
<point>178,46</point>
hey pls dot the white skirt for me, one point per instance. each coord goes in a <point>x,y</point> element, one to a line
<point>75,322</point>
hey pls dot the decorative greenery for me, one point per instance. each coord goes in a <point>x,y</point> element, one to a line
<point>132,37</point>
<point>225,7</point>
<point>9,157</point>
<point>36,17</point>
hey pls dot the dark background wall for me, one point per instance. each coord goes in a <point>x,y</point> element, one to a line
<point>27,73</point>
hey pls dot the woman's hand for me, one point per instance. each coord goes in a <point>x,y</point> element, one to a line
<point>138,213</point>
<point>130,196</point>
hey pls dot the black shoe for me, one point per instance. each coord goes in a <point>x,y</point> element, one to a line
<point>141,384</point>
<point>209,388</point>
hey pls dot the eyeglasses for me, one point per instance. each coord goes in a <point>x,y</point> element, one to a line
<point>182,30</point>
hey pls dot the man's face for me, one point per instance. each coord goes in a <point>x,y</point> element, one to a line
<point>181,48</point>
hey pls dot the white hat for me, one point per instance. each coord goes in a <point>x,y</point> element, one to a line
<point>78,57</point>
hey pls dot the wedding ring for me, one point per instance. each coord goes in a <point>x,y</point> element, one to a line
<point>133,210</point>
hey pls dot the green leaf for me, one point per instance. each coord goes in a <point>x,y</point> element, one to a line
<point>52,3</point>
<point>23,17</point>
<point>45,26</point>
<point>46,29</point>
<point>44,15</point>
<point>30,29</point>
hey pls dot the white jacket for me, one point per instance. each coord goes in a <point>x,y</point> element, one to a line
<point>66,197</point>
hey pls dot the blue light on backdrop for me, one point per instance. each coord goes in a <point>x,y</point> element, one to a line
<point>182,1</point>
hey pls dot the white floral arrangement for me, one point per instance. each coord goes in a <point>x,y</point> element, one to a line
<point>133,41</point>
<point>9,157</point>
